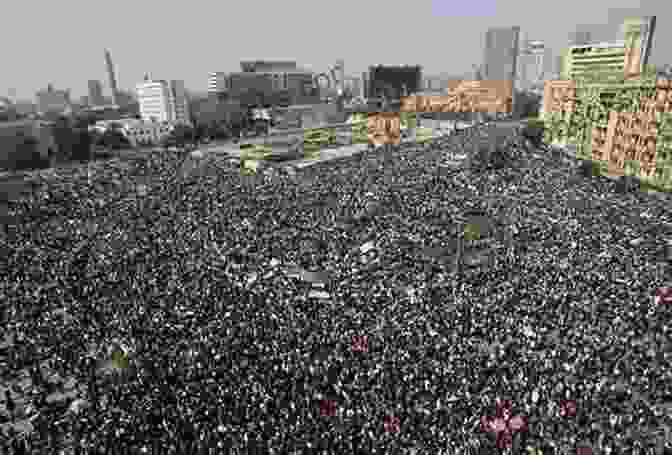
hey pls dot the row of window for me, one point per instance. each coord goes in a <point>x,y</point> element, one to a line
<point>280,81</point>
<point>149,132</point>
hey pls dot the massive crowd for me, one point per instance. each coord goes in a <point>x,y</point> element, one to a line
<point>322,310</point>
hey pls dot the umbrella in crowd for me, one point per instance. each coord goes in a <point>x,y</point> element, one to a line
<point>167,304</point>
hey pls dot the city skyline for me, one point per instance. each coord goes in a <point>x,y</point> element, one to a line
<point>209,42</point>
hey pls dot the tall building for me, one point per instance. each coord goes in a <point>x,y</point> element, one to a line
<point>163,101</point>
<point>111,77</point>
<point>501,52</point>
<point>533,65</point>
<point>51,101</point>
<point>218,82</point>
<point>625,52</point>
<point>95,93</point>
<point>637,34</point>
<point>179,102</point>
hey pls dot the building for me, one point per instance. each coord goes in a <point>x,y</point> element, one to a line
<point>579,38</point>
<point>51,101</point>
<point>533,65</point>
<point>154,99</point>
<point>395,82</point>
<point>111,77</point>
<point>95,93</point>
<point>638,34</point>
<point>218,82</point>
<point>591,58</point>
<point>179,102</point>
<point>501,54</point>
<point>626,52</point>
<point>163,101</point>
<point>265,82</point>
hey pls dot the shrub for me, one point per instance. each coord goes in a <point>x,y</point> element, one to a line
<point>534,131</point>
<point>82,145</point>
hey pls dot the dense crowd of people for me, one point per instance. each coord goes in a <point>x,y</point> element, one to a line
<point>322,310</point>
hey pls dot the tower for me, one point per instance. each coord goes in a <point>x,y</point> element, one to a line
<point>110,75</point>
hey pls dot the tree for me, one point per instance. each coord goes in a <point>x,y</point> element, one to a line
<point>114,139</point>
<point>26,153</point>
<point>82,145</point>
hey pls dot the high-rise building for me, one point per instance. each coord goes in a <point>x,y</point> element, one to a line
<point>95,93</point>
<point>218,82</point>
<point>179,102</point>
<point>533,65</point>
<point>622,52</point>
<point>163,101</point>
<point>52,101</point>
<point>111,77</point>
<point>637,35</point>
<point>501,52</point>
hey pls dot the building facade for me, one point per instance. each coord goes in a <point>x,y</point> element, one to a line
<point>52,101</point>
<point>597,57</point>
<point>637,34</point>
<point>263,82</point>
<point>163,101</point>
<point>501,53</point>
<point>533,65</point>
<point>623,52</point>
<point>218,82</point>
<point>95,93</point>
<point>179,102</point>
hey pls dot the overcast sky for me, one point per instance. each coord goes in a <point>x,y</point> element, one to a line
<point>62,41</point>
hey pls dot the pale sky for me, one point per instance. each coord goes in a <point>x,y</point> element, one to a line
<point>62,42</point>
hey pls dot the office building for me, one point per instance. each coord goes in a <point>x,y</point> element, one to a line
<point>95,93</point>
<point>265,82</point>
<point>637,34</point>
<point>52,101</point>
<point>623,50</point>
<point>501,53</point>
<point>218,82</point>
<point>533,65</point>
<point>163,101</point>
<point>592,58</point>
<point>179,102</point>
<point>394,82</point>
<point>111,76</point>
<point>154,99</point>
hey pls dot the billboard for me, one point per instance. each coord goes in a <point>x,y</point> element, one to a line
<point>465,96</point>
<point>501,53</point>
<point>394,82</point>
<point>384,128</point>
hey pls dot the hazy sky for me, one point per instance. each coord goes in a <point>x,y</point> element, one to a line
<point>62,42</point>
